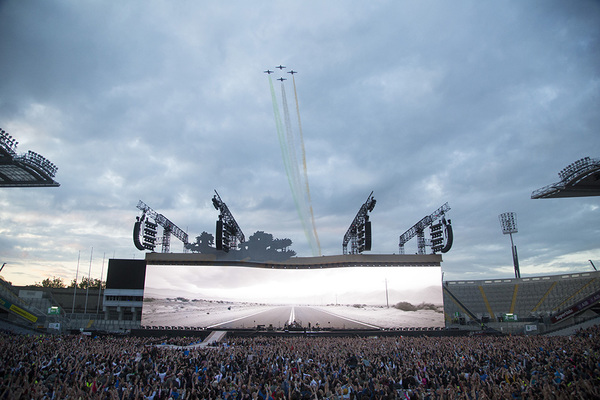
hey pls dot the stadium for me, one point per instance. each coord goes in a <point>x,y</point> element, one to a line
<point>530,337</point>
<point>531,306</point>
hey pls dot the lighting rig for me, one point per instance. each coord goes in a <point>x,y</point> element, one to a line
<point>147,229</point>
<point>34,159</point>
<point>575,169</point>
<point>228,232</point>
<point>8,143</point>
<point>359,232</point>
<point>440,230</point>
<point>579,179</point>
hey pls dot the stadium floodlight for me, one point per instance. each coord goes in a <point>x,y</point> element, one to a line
<point>34,159</point>
<point>508,222</point>
<point>578,179</point>
<point>7,142</point>
<point>24,170</point>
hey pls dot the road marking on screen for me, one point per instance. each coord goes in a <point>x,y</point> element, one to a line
<point>292,316</point>
<point>237,319</point>
<point>351,320</point>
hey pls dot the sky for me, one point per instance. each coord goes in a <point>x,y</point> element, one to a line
<point>472,103</point>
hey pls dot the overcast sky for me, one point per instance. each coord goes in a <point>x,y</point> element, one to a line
<point>422,102</point>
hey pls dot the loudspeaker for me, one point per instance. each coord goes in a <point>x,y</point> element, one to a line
<point>368,235</point>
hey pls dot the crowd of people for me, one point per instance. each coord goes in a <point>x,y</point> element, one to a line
<point>300,367</point>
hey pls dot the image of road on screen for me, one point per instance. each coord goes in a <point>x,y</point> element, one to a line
<point>228,297</point>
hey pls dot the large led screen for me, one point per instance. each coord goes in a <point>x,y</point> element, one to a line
<point>329,298</point>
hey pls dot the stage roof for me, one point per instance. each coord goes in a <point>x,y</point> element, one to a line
<point>580,179</point>
<point>23,170</point>
<point>347,260</point>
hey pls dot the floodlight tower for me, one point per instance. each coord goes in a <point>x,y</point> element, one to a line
<point>508,222</point>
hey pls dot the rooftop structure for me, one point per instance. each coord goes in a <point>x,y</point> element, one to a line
<point>579,179</point>
<point>23,170</point>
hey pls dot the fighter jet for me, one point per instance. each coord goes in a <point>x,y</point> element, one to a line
<point>292,72</point>
<point>282,79</point>
<point>280,66</point>
<point>268,71</point>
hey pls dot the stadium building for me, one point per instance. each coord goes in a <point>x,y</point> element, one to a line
<point>531,305</point>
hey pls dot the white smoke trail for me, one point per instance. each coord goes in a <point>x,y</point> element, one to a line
<point>297,185</point>
<point>309,201</point>
<point>289,144</point>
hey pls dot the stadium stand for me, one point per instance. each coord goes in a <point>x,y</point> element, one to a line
<point>522,301</point>
<point>530,305</point>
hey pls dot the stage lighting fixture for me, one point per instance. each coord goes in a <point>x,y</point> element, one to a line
<point>440,234</point>
<point>228,232</point>
<point>169,228</point>
<point>358,234</point>
<point>437,237</point>
<point>149,235</point>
